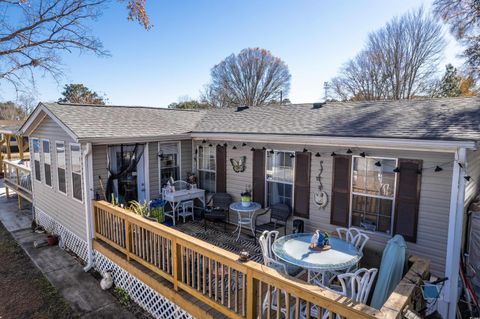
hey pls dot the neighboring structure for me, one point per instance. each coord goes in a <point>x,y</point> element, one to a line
<point>416,153</point>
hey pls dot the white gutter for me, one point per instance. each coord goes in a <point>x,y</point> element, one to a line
<point>455,225</point>
<point>382,143</point>
<point>87,190</point>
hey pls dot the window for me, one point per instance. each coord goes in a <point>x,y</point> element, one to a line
<point>61,166</point>
<point>36,159</point>
<point>169,162</point>
<point>47,162</point>
<point>279,175</point>
<point>373,193</point>
<point>207,167</point>
<point>76,168</point>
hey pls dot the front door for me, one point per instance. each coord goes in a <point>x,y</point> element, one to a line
<point>132,185</point>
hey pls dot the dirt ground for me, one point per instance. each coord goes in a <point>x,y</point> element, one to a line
<point>24,291</point>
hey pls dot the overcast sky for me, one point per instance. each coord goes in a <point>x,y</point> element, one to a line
<point>174,58</point>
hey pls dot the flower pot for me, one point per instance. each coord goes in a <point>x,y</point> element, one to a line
<point>52,240</point>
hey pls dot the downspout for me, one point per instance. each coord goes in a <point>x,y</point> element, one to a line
<point>88,187</point>
<point>455,224</point>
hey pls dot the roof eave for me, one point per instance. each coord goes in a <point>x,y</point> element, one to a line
<point>133,139</point>
<point>344,141</point>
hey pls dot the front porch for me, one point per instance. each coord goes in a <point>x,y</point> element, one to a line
<point>201,272</point>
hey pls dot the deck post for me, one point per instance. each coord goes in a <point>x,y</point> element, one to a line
<point>128,241</point>
<point>176,263</point>
<point>252,298</point>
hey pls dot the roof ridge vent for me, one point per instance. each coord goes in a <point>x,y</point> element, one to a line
<point>242,108</point>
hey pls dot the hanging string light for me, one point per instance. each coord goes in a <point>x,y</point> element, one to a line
<point>467,178</point>
<point>204,141</point>
<point>438,169</point>
<point>292,155</point>
<point>244,144</point>
<point>305,150</point>
<point>271,151</point>
<point>349,151</point>
<point>396,170</point>
<point>333,154</point>
<point>362,154</point>
<point>225,144</point>
<point>378,164</point>
<point>210,145</point>
<point>318,154</point>
<point>234,147</point>
<point>252,149</point>
<point>264,148</point>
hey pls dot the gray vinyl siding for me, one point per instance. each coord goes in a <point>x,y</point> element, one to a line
<point>473,170</point>
<point>186,154</point>
<point>99,162</point>
<point>434,197</point>
<point>153,168</point>
<point>64,209</point>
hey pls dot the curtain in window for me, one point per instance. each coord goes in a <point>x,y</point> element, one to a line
<point>124,169</point>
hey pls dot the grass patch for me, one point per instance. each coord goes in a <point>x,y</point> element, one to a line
<point>25,292</point>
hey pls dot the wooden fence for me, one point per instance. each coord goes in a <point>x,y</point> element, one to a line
<point>219,280</point>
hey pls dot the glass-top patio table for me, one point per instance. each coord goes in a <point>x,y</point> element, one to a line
<point>294,249</point>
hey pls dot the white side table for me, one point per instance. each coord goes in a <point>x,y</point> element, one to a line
<point>245,216</point>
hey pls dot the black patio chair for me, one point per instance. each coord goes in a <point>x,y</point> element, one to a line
<point>279,214</point>
<point>217,209</point>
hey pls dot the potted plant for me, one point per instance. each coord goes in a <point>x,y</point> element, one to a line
<point>246,196</point>
<point>137,208</point>
<point>156,211</point>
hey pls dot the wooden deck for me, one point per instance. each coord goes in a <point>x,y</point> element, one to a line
<point>210,282</point>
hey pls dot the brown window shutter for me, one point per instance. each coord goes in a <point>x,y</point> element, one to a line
<point>258,176</point>
<point>301,200</point>
<point>221,184</point>
<point>408,198</point>
<point>340,205</point>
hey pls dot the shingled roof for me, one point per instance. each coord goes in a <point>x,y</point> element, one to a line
<point>432,119</point>
<point>94,122</point>
<point>438,119</point>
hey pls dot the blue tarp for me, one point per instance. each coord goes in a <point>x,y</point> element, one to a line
<point>391,270</point>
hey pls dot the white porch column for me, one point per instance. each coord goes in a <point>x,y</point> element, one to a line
<point>452,265</point>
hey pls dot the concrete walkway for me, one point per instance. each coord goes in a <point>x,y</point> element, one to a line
<point>79,289</point>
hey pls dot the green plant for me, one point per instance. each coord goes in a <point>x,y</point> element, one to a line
<point>157,213</point>
<point>123,296</point>
<point>137,208</point>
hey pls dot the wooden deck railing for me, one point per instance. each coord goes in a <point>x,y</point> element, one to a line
<point>18,177</point>
<point>216,277</point>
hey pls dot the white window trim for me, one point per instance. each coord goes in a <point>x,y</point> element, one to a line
<point>393,199</point>
<point>56,167</point>
<point>39,159</point>
<point>42,162</point>
<point>206,170</point>
<point>282,182</point>
<point>81,171</point>
<point>179,162</point>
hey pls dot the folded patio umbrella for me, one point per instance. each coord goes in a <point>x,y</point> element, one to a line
<point>391,270</point>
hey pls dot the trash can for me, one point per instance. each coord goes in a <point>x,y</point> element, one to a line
<point>298,226</point>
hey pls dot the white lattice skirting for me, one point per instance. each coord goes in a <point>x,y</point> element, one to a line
<point>157,305</point>
<point>147,298</point>
<point>67,239</point>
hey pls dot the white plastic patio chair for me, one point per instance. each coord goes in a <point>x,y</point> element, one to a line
<point>347,234</point>
<point>266,240</point>
<point>356,286</point>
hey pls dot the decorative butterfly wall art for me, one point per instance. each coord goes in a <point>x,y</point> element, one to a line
<point>239,164</point>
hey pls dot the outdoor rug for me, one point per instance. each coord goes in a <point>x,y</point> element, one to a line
<point>216,235</point>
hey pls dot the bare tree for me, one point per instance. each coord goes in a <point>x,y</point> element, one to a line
<point>253,77</point>
<point>463,19</point>
<point>34,33</point>
<point>399,60</point>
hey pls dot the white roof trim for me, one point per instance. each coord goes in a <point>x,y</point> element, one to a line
<point>382,143</point>
<point>133,139</point>
<point>27,126</point>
